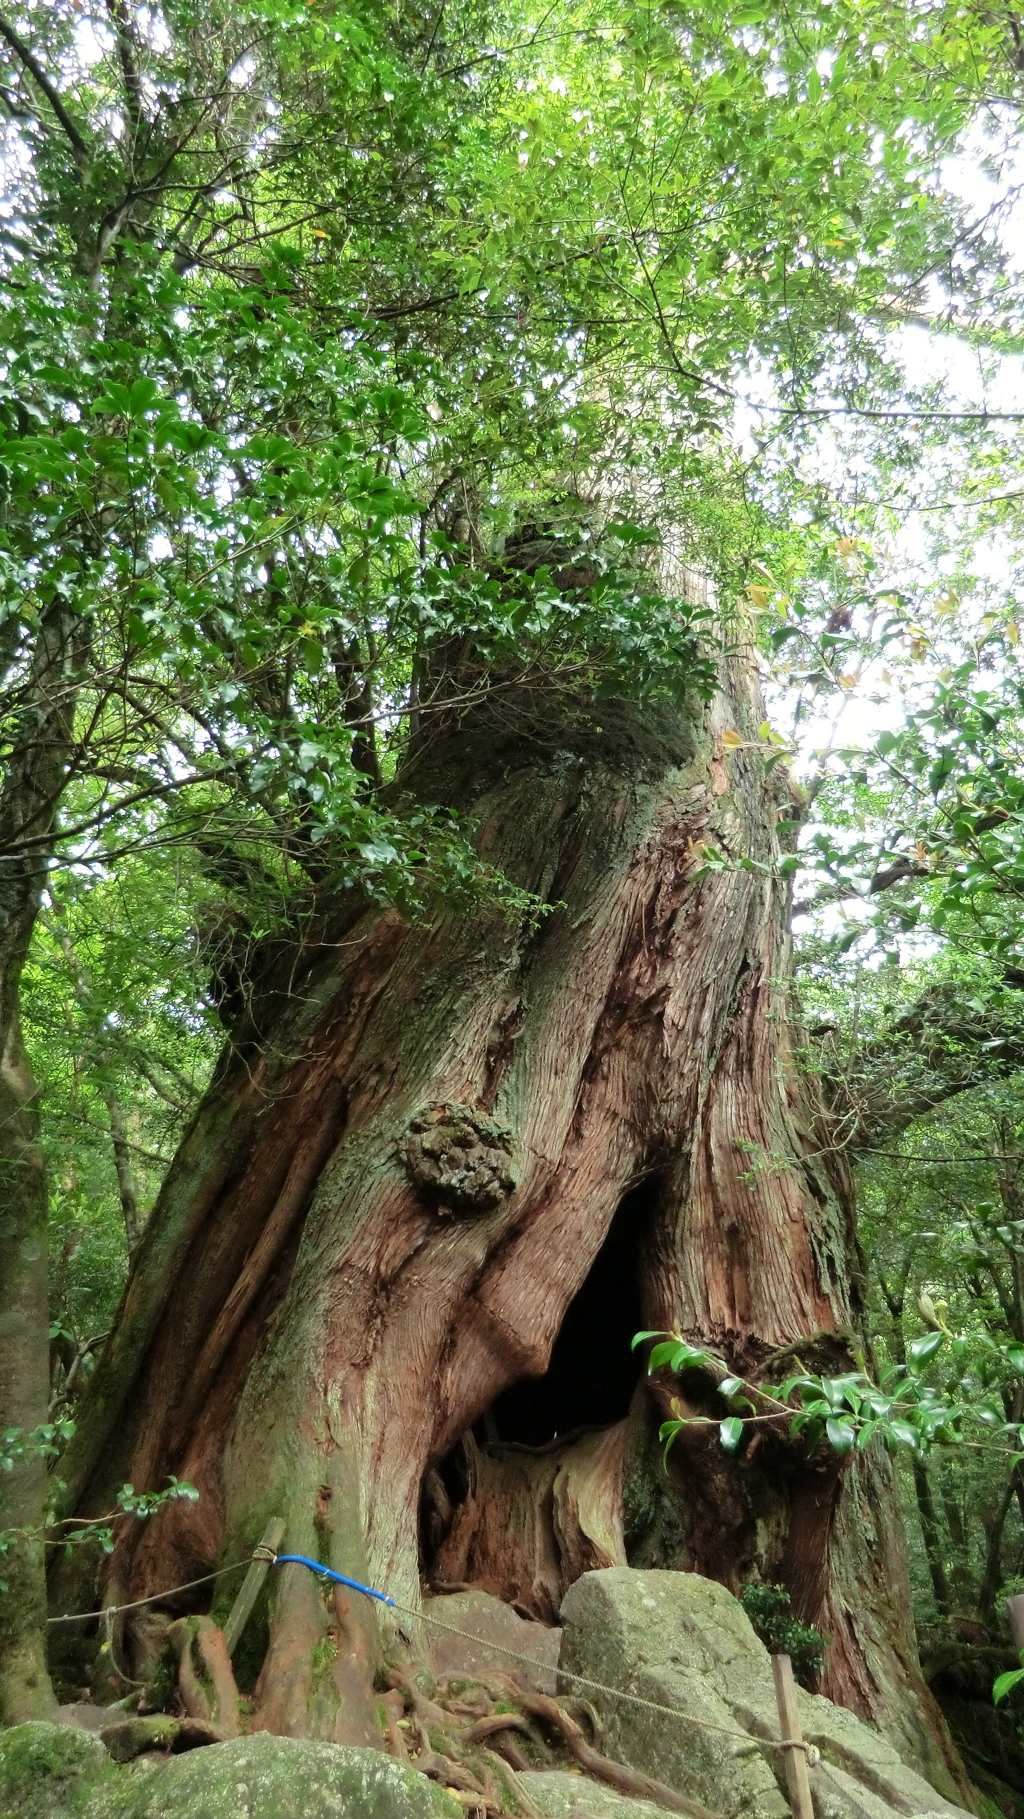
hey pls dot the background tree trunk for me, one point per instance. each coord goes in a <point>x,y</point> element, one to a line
<point>34,772</point>
<point>335,1318</point>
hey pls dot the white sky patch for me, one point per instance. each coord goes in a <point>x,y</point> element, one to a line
<point>93,42</point>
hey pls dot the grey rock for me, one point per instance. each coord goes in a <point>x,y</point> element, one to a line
<point>265,1777</point>
<point>682,1641</point>
<point>87,1716</point>
<point>569,1796</point>
<point>55,1771</point>
<point>487,1620</point>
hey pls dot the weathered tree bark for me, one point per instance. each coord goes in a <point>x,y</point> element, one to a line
<point>119,1140</point>
<point>25,1690</point>
<point>329,1310</point>
<point>40,745</point>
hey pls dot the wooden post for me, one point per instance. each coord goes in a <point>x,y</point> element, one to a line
<point>1015,1609</point>
<point>789,1724</point>
<point>241,1610</point>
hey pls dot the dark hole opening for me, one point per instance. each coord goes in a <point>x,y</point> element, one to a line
<point>593,1372</point>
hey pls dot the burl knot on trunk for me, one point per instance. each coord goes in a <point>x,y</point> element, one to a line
<point>458,1159</point>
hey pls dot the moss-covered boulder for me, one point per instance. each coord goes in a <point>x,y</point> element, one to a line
<point>265,1777</point>
<point>55,1771</point>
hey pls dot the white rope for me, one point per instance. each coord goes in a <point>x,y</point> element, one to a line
<point>811,1750</point>
<point>261,1553</point>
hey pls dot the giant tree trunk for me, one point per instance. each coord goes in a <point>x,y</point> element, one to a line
<point>334,1320</point>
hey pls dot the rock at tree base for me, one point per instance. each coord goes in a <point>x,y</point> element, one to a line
<point>265,1777</point>
<point>685,1642</point>
<point>53,1771</point>
<point>568,1796</point>
<point>130,1737</point>
<point>87,1717</point>
<point>50,1771</point>
<point>482,1615</point>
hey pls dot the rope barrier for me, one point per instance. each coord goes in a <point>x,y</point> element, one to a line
<point>114,1610</point>
<point>614,1692</point>
<point>811,1750</point>
<point>315,1566</point>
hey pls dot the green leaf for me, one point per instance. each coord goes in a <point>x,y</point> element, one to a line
<point>142,396</point>
<point>668,1432</point>
<point>731,1433</point>
<point>1005,1683</point>
<point>841,1435</point>
<point>925,1347</point>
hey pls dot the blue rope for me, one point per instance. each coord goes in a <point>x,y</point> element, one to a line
<point>328,1573</point>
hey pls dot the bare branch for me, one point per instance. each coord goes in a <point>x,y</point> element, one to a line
<point>42,81</point>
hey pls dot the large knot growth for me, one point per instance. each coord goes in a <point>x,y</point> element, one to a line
<point>459,1159</point>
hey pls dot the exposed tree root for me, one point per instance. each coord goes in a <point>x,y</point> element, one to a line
<point>456,1754</point>
<point>507,1774</point>
<point>498,1721</point>
<point>457,1737</point>
<point>510,1752</point>
<point>198,1646</point>
<point>394,1711</point>
<point>625,1780</point>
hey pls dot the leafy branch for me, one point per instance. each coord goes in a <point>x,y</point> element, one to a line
<point>849,1410</point>
<point>45,1442</point>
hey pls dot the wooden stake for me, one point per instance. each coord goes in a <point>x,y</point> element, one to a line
<point>241,1610</point>
<point>1015,1608</point>
<point>797,1778</point>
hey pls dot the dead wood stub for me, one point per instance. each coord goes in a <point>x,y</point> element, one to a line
<point>459,1159</point>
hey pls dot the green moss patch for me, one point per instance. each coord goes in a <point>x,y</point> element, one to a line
<point>265,1777</point>
<point>54,1771</point>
